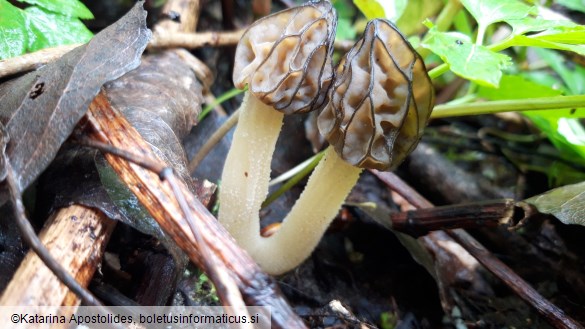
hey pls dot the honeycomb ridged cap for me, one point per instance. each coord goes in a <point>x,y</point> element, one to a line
<point>285,58</point>
<point>380,100</point>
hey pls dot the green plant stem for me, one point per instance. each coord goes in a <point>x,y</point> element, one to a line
<point>222,98</point>
<point>294,180</point>
<point>543,103</point>
<point>438,71</point>
<point>480,34</point>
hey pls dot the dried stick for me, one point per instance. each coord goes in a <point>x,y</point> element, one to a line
<point>108,126</point>
<point>29,62</point>
<point>226,288</point>
<point>555,316</point>
<point>76,236</point>
<point>30,237</point>
<point>490,213</point>
<point>213,140</point>
<point>166,39</point>
<point>186,13</point>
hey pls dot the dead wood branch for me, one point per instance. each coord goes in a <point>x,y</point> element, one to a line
<point>166,39</point>
<point>76,237</point>
<point>108,126</point>
<point>32,61</point>
<point>555,316</point>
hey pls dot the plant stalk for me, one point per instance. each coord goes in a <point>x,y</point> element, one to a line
<point>542,103</point>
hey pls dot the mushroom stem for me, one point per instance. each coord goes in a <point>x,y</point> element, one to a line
<point>246,173</point>
<point>303,227</point>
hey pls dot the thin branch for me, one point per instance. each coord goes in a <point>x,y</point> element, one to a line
<point>108,126</point>
<point>555,316</point>
<point>76,236</point>
<point>210,143</point>
<point>32,61</point>
<point>217,274</point>
<point>164,39</point>
<point>30,237</point>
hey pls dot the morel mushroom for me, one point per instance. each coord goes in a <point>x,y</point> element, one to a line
<point>285,59</point>
<point>381,100</point>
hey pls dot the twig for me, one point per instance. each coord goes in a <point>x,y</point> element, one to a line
<point>29,62</point>
<point>215,138</point>
<point>468,215</point>
<point>223,283</point>
<point>30,237</point>
<point>165,39</point>
<point>77,236</point>
<point>555,316</point>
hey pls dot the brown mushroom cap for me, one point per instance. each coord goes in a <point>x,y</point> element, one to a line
<point>381,100</point>
<point>285,58</point>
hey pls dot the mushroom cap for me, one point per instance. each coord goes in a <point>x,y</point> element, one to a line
<point>285,58</point>
<point>381,100</point>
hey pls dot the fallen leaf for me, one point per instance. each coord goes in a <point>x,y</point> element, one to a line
<point>163,113</point>
<point>41,109</point>
<point>566,203</point>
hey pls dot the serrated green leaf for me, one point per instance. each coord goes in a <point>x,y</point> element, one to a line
<point>473,62</point>
<point>553,34</point>
<point>13,37</point>
<point>48,29</point>
<point>370,8</point>
<point>566,203</point>
<point>571,41</point>
<point>487,12</point>
<point>537,24</point>
<point>71,8</point>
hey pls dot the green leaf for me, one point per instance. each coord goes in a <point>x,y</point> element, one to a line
<point>566,203</point>
<point>554,34</point>
<point>561,126</point>
<point>473,62</point>
<point>344,9</point>
<point>516,87</point>
<point>572,77</point>
<point>542,42</point>
<point>487,12</point>
<point>537,24</point>
<point>13,37</point>
<point>370,8</point>
<point>71,8</point>
<point>48,29</point>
